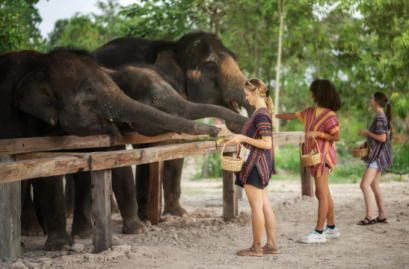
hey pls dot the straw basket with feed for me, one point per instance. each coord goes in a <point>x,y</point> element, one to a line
<point>363,152</point>
<point>310,159</point>
<point>230,163</point>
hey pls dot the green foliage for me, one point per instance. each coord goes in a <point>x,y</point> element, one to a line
<point>401,162</point>
<point>287,158</point>
<point>18,25</point>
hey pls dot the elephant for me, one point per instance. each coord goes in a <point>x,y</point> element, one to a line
<point>144,85</point>
<point>200,69</point>
<point>66,92</point>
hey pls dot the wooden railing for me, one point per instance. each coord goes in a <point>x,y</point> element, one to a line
<point>29,158</point>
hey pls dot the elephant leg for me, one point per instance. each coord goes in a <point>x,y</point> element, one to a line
<point>39,211</point>
<point>51,198</point>
<point>29,222</point>
<point>172,175</point>
<point>142,186</point>
<point>69,195</point>
<point>81,224</point>
<point>124,189</point>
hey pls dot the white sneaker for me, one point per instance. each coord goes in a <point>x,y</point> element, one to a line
<point>314,237</point>
<point>331,232</point>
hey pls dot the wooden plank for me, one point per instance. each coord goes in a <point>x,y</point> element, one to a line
<point>10,172</point>
<point>101,192</point>
<point>113,159</point>
<point>307,187</point>
<point>155,192</point>
<point>50,143</point>
<point>230,195</point>
<point>281,139</point>
<point>218,149</point>
<point>10,208</point>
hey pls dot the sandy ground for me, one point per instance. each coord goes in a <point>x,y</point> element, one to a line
<point>203,240</point>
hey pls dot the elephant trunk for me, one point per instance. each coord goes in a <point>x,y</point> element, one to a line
<point>123,108</point>
<point>234,121</point>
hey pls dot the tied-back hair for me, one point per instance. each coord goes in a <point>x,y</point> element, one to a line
<point>325,94</point>
<point>382,100</point>
<point>254,84</point>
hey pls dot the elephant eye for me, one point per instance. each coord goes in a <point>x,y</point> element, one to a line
<point>88,89</point>
<point>155,100</point>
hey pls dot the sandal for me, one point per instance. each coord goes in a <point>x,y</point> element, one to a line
<point>363,222</point>
<point>377,220</point>
<point>251,252</point>
<point>270,250</point>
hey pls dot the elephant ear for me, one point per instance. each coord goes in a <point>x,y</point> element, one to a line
<point>34,96</point>
<point>170,71</point>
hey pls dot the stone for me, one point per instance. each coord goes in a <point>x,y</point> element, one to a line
<point>147,223</point>
<point>122,248</point>
<point>175,236</point>
<point>187,222</point>
<point>18,265</point>
<point>89,249</point>
<point>156,229</point>
<point>66,248</point>
<point>33,265</point>
<point>77,247</point>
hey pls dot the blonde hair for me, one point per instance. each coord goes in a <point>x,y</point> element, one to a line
<point>254,84</point>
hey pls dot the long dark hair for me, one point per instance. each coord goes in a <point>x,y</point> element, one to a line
<point>382,100</point>
<point>325,94</point>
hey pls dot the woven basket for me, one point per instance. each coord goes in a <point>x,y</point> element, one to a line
<point>310,159</point>
<point>230,163</point>
<point>359,153</point>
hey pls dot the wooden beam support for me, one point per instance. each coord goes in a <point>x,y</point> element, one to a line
<point>155,192</point>
<point>10,172</point>
<point>101,209</point>
<point>230,193</point>
<point>281,139</point>
<point>10,208</point>
<point>307,187</point>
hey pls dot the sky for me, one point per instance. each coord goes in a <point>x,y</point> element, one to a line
<point>53,10</point>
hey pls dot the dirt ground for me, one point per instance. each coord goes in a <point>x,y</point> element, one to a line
<point>203,240</point>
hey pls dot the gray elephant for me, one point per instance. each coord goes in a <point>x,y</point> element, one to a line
<point>200,69</point>
<point>66,92</point>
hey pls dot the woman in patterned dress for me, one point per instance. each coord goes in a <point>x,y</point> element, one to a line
<point>379,159</point>
<point>257,140</point>
<point>321,124</point>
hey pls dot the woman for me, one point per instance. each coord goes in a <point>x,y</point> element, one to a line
<point>257,140</point>
<point>379,159</point>
<point>321,124</point>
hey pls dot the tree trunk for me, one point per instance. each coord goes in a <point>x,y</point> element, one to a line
<point>280,39</point>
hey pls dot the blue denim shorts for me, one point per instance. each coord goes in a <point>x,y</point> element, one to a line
<point>374,165</point>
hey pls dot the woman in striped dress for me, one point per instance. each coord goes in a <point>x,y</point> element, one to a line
<point>379,159</point>
<point>321,124</point>
<point>257,150</point>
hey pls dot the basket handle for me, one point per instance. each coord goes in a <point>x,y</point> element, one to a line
<point>224,146</point>
<point>367,142</point>
<point>315,141</point>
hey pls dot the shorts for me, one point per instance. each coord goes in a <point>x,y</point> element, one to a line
<point>253,179</point>
<point>374,165</point>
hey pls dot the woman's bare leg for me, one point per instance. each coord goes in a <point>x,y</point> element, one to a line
<point>255,196</point>
<point>378,195</point>
<point>368,178</point>
<point>323,195</point>
<point>270,221</point>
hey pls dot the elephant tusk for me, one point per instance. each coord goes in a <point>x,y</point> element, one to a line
<point>111,120</point>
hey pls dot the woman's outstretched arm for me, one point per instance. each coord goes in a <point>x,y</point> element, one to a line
<point>286,116</point>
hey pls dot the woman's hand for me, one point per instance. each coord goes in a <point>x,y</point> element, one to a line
<point>237,139</point>
<point>312,135</point>
<point>363,133</point>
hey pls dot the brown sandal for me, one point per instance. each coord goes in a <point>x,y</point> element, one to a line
<point>250,252</point>
<point>270,250</point>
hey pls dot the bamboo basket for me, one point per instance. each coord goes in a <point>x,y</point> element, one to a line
<point>230,163</point>
<point>359,153</point>
<point>312,158</point>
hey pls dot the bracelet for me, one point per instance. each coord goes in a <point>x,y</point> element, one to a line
<point>322,135</point>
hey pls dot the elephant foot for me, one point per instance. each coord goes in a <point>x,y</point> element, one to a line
<point>58,241</point>
<point>81,232</point>
<point>31,228</point>
<point>134,227</point>
<point>175,210</point>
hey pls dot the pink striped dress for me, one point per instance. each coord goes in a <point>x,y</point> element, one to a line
<point>324,121</point>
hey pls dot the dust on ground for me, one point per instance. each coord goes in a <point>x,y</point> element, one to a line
<point>204,240</point>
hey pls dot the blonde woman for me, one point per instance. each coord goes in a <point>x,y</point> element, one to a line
<point>257,149</point>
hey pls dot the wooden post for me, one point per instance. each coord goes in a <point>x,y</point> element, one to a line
<point>155,192</point>
<point>10,211</point>
<point>307,188</point>
<point>230,193</point>
<point>101,209</point>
